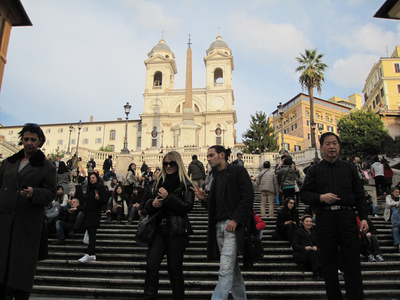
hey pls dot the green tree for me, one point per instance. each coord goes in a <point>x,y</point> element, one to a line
<point>106,149</point>
<point>363,133</point>
<point>261,135</point>
<point>312,75</point>
<point>59,153</point>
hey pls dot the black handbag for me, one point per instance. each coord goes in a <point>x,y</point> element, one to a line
<point>254,249</point>
<point>145,232</point>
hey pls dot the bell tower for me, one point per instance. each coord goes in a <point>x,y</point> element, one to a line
<point>160,71</point>
<point>219,65</point>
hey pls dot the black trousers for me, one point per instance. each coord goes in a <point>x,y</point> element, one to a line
<point>379,181</point>
<point>174,246</point>
<point>10,294</point>
<point>337,234</point>
<point>91,249</point>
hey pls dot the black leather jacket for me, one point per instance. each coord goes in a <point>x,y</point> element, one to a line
<point>178,205</point>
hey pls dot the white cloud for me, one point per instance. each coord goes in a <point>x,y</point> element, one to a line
<point>369,37</point>
<point>272,41</point>
<point>352,72</point>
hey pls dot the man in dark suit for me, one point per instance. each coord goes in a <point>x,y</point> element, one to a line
<point>333,188</point>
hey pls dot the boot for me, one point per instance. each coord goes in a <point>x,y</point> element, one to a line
<point>129,222</point>
<point>109,219</point>
<point>119,219</point>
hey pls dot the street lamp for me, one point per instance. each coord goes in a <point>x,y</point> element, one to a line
<point>127,109</point>
<point>79,133</point>
<point>69,141</point>
<point>313,127</point>
<point>280,111</point>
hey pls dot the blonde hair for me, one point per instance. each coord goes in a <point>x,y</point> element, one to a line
<point>174,156</point>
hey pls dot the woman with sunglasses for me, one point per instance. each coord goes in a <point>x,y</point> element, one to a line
<point>172,199</point>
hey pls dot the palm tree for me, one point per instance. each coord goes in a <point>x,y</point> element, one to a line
<point>311,68</point>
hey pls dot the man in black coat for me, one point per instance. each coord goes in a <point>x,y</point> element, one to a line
<point>229,203</point>
<point>107,165</point>
<point>333,188</point>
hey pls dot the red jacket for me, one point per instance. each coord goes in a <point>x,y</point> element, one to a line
<point>259,222</point>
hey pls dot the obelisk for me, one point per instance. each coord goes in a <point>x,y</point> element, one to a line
<point>188,127</point>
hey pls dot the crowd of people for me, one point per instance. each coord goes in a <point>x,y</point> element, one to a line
<point>329,237</point>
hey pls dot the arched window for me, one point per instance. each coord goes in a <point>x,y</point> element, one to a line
<point>218,77</point>
<point>112,135</point>
<point>157,80</point>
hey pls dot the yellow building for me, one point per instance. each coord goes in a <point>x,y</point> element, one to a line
<point>296,118</point>
<point>12,14</point>
<point>382,91</point>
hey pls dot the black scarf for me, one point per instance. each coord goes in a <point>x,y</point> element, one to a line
<point>171,182</point>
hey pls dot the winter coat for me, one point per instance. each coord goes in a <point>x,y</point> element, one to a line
<point>179,204</point>
<point>21,219</point>
<point>92,207</point>
<point>290,177</point>
<point>299,242</point>
<point>238,199</point>
<point>196,168</point>
<point>267,181</point>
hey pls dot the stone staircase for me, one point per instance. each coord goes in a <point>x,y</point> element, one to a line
<point>119,270</point>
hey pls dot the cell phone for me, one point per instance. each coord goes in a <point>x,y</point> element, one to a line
<point>24,187</point>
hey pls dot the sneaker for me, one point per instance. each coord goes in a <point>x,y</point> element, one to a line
<point>371,258</point>
<point>376,215</point>
<point>379,258</point>
<point>58,242</point>
<point>87,258</point>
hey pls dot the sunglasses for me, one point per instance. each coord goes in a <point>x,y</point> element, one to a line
<point>171,164</point>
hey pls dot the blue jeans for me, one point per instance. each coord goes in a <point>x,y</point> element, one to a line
<point>396,236</point>
<point>230,278</point>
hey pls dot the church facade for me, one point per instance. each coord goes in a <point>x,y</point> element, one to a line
<point>212,106</point>
<point>161,125</point>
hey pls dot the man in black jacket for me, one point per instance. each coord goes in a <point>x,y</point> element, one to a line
<point>229,203</point>
<point>333,188</point>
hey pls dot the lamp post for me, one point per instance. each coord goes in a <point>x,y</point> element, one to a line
<point>280,111</point>
<point>127,109</point>
<point>313,127</point>
<point>69,141</point>
<point>79,133</point>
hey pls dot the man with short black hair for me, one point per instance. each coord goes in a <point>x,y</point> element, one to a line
<point>333,188</point>
<point>239,161</point>
<point>108,164</point>
<point>229,203</point>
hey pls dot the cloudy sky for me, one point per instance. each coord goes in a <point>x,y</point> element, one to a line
<point>85,57</point>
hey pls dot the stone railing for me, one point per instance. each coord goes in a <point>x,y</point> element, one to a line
<point>153,158</point>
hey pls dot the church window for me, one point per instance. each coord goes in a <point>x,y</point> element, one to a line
<point>218,77</point>
<point>112,135</point>
<point>139,142</point>
<point>196,108</point>
<point>157,80</point>
<point>112,147</point>
<point>154,143</point>
<point>218,140</point>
